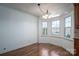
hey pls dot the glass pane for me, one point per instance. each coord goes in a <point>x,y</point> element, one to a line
<point>67,27</point>
<point>44,24</point>
<point>55,26</point>
<point>67,32</point>
<point>44,28</point>
<point>68,22</point>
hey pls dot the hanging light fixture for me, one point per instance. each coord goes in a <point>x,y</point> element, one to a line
<point>46,15</point>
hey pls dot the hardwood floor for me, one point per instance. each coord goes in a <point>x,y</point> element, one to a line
<point>41,49</point>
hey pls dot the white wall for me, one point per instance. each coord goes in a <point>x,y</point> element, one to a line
<point>17,29</point>
<point>67,44</point>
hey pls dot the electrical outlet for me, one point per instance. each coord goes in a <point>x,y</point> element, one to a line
<point>0,49</point>
<point>4,48</point>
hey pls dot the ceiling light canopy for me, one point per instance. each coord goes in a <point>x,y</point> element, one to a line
<point>47,15</point>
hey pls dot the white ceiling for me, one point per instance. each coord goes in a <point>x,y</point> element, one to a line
<point>32,8</point>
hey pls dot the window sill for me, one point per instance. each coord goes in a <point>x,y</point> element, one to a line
<point>69,39</point>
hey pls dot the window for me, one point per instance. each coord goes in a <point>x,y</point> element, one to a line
<point>55,27</point>
<point>67,32</point>
<point>44,28</point>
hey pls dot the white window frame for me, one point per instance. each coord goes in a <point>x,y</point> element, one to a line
<point>59,27</point>
<point>42,28</point>
<point>70,27</point>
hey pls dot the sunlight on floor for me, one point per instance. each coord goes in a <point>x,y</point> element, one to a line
<point>45,52</point>
<point>54,53</point>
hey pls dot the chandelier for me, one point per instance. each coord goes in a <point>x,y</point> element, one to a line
<point>46,15</point>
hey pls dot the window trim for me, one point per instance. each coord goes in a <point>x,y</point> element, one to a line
<point>43,28</point>
<point>65,27</point>
<point>59,27</point>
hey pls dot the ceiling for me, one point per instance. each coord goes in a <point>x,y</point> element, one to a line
<point>32,8</point>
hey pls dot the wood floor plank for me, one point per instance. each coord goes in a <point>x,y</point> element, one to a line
<point>38,49</point>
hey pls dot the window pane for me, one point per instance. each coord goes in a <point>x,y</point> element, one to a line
<point>44,24</point>
<point>57,24</point>
<point>68,22</point>
<point>55,27</point>
<point>67,27</point>
<point>54,24</point>
<point>44,28</point>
